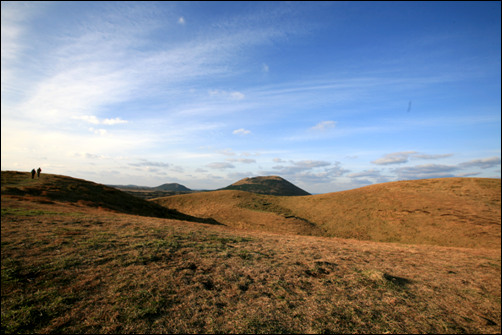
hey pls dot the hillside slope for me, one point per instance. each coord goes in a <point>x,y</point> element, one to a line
<point>270,185</point>
<point>81,192</point>
<point>460,212</point>
<point>242,210</point>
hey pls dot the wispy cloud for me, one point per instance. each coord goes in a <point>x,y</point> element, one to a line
<point>394,158</point>
<point>241,131</point>
<point>405,156</point>
<point>366,174</point>
<point>426,171</point>
<point>484,163</point>
<point>323,126</point>
<point>233,95</point>
<point>94,120</point>
<point>426,156</point>
<point>242,160</point>
<point>309,171</point>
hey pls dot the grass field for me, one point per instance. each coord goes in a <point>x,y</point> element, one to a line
<point>71,268</point>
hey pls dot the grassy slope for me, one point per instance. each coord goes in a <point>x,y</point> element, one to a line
<point>50,188</point>
<point>461,212</point>
<point>70,269</point>
<point>243,210</point>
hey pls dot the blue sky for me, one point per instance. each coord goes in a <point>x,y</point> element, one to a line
<point>329,95</point>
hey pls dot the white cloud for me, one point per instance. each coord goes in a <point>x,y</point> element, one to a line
<point>233,95</point>
<point>242,160</point>
<point>367,173</point>
<point>181,20</point>
<point>394,158</point>
<point>309,171</point>
<point>426,156</point>
<point>265,68</point>
<point>241,131</point>
<point>425,171</point>
<point>323,126</point>
<point>114,121</point>
<point>484,163</point>
<point>94,120</point>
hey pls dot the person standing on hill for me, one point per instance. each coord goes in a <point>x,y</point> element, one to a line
<point>38,172</point>
<point>33,174</point>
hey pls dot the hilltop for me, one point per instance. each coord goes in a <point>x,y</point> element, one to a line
<point>172,187</point>
<point>461,212</point>
<point>270,185</point>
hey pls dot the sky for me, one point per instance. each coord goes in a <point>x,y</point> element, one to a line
<point>328,95</point>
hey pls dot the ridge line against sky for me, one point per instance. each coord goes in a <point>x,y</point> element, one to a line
<point>328,95</point>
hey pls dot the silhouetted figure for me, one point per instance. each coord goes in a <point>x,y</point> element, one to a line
<point>38,172</point>
<point>33,174</point>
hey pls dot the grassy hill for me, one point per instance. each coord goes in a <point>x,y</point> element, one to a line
<point>271,185</point>
<point>50,188</point>
<point>461,212</point>
<point>175,187</point>
<point>69,264</point>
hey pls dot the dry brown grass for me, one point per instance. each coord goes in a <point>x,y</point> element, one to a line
<point>78,269</point>
<point>93,272</point>
<point>458,212</point>
<point>243,210</point>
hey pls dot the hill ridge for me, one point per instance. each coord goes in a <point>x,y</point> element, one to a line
<point>52,187</point>
<point>269,185</point>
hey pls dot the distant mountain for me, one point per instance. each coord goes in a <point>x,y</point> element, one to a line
<point>270,185</point>
<point>172,187</point>
<point>147,192</point>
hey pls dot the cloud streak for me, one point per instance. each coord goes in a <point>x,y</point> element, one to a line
<point>484,163</point>
<point>241,131</point>
<point>394,158</point>
<point>323,126</point>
